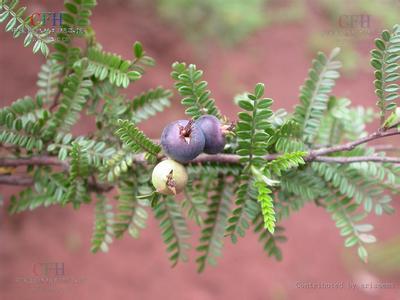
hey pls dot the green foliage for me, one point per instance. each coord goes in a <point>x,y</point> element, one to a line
<point>385,60</point>
<point>174,229</point>
<point>194,90</point>
<point>353,183</point>
<point>195,200</point>
<point>75,17</point>
<point>314,94</point>
<point>270,241</point>
<point>136,140</point>
<point>246,209</point>
<point>342,122</point>
<point>103,65</point>
<point>287,138</point>
<point>76,90</point>
<point>116,165</point>
<point>79,162</point>
<point>252,130</point>
<point>285,162</point>
<point>149,104</point>
<point>268,168</point>
<point>277,166</point>
<point>49,189</point>
<point>78,12</point>
<point>141,59</point>
<point>267,205</point>
<point>212,234</point>
<point>131,213</point>
<point>22,122</point>
<point>48,80</point>
<point>102,228</point>
<point>303,186</point>
<point>19,23</point>
<point>347,219</point>
<point>96,153</point>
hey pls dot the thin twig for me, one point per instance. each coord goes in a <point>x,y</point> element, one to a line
<point>35,160</point>
<point>314,155</point>
<point>24,180</point>
<point>352,159</point>
<point>16,180</point>
<point>351,145</point>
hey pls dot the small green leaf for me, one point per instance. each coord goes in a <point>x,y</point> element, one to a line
<point>380,44</point>
<point>246,105</point>
<point>363,254</point>
<point>37,46</point>
<point>10,25</point>
<point>138,50</point>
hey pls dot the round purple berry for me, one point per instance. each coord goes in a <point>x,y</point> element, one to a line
<point>182,140</point>
<point>214,136</point>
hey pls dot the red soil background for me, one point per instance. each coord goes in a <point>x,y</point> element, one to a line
<point>139,269</point>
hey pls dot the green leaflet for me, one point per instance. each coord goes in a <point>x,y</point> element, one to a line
<point>103,65</point>
<point>384,59</point>
<point>18,23</point>
<point>174,229</point>
<point>102,228</point>
<point>246,208</point>
<point>49,189</point>
<point>48,81</point>
<point>150,103</point>
<point>212,234</point>
<point>196,96</point>
<point>252,130</point>
<point>76,90</point>
<point>267,205</point>
<point>136,140</point>
<point>76,16</point>
<point>270,241</point>
<point>314,94</point>
<point>346,218</point>
<point>21,123</point>
<point>131,213</point>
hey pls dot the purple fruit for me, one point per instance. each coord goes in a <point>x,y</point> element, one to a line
<point>213,133</point>
<point>182,140</point>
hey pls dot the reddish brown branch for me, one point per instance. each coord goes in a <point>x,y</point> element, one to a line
<point>314,155</point>
<point>24,180</point>
<point>351,145</point>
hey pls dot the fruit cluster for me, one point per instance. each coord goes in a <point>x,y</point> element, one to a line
<point>182,141</point>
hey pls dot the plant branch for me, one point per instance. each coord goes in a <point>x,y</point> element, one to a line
<point>319,155</point>
<point>351,145</point>
<point>35,160</point>
<point>24,180</point>
<point>352,159</point>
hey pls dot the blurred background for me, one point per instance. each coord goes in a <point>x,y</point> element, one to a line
<point>237,44</point>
